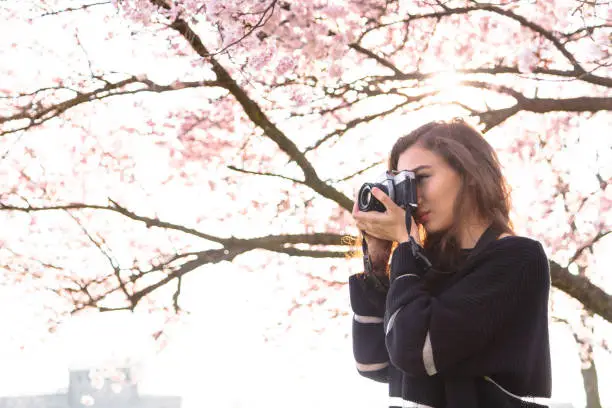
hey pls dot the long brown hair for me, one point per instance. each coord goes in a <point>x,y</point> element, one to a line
<point>482,183</point>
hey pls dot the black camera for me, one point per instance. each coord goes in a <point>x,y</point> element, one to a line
<point>400,186</point>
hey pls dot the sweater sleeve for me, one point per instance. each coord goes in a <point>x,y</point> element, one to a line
<point>369,350</point>
<point>426,335</point>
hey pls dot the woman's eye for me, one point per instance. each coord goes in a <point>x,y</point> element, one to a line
<point>420,178</point>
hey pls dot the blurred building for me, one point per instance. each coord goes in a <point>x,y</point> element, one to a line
<point>96,392</point>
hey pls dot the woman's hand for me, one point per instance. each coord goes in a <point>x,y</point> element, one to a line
<point>388,226</point>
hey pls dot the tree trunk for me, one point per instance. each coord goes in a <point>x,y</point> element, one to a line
<point>589,379</point>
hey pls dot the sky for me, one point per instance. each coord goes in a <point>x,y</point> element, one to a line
<point>235,336</point>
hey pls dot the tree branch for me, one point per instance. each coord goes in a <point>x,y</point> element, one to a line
<point>579,287</point>
<point>499,70</point>
<point>589,245</point>
<point>37,114</point>
<point>259,118</point>
<point>493,118</point>
<point>350,176</point>
<point>134,298</point>
<point>582,289</point>
<point>577,72</point>
<point>201,259</point>
<point>311,253</point>
<point>543,32</point>
<point>379,59</point>
<point>368,118</point>
<point>69,9</point>
<point>266,242</point>
<point>264,174</point>
<point>205,257</point>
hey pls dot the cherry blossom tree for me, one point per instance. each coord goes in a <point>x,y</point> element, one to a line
<point>142,140</point>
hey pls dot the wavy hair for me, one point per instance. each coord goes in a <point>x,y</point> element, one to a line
<point>483,185</point>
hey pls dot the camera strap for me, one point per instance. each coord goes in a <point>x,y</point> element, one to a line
<point>367,262</point>
<point>417,250</point>
<point>378,284</point>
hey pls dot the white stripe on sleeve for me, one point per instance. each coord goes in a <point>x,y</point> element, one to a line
<point>537,400</point>
<point>391,321</point>
<point>372,367</point>
<point>428,360</point>
<point>368,319</point>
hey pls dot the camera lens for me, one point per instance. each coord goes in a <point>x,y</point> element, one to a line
<point>365,197</point>
<point>366,201</point>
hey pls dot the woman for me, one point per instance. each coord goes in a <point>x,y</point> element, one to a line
<point>472,330</point>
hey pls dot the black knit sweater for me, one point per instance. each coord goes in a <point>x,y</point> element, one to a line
<point>481,340</point>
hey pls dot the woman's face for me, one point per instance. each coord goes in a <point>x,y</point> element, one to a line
<point>437,188</point>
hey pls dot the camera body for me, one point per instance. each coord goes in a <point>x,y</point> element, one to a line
<point>400,186</point>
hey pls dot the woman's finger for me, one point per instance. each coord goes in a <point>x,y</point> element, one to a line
<point>383,198</point>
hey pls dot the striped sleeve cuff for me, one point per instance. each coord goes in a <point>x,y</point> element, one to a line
<point>369,342</point>
<point>404,262</point>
